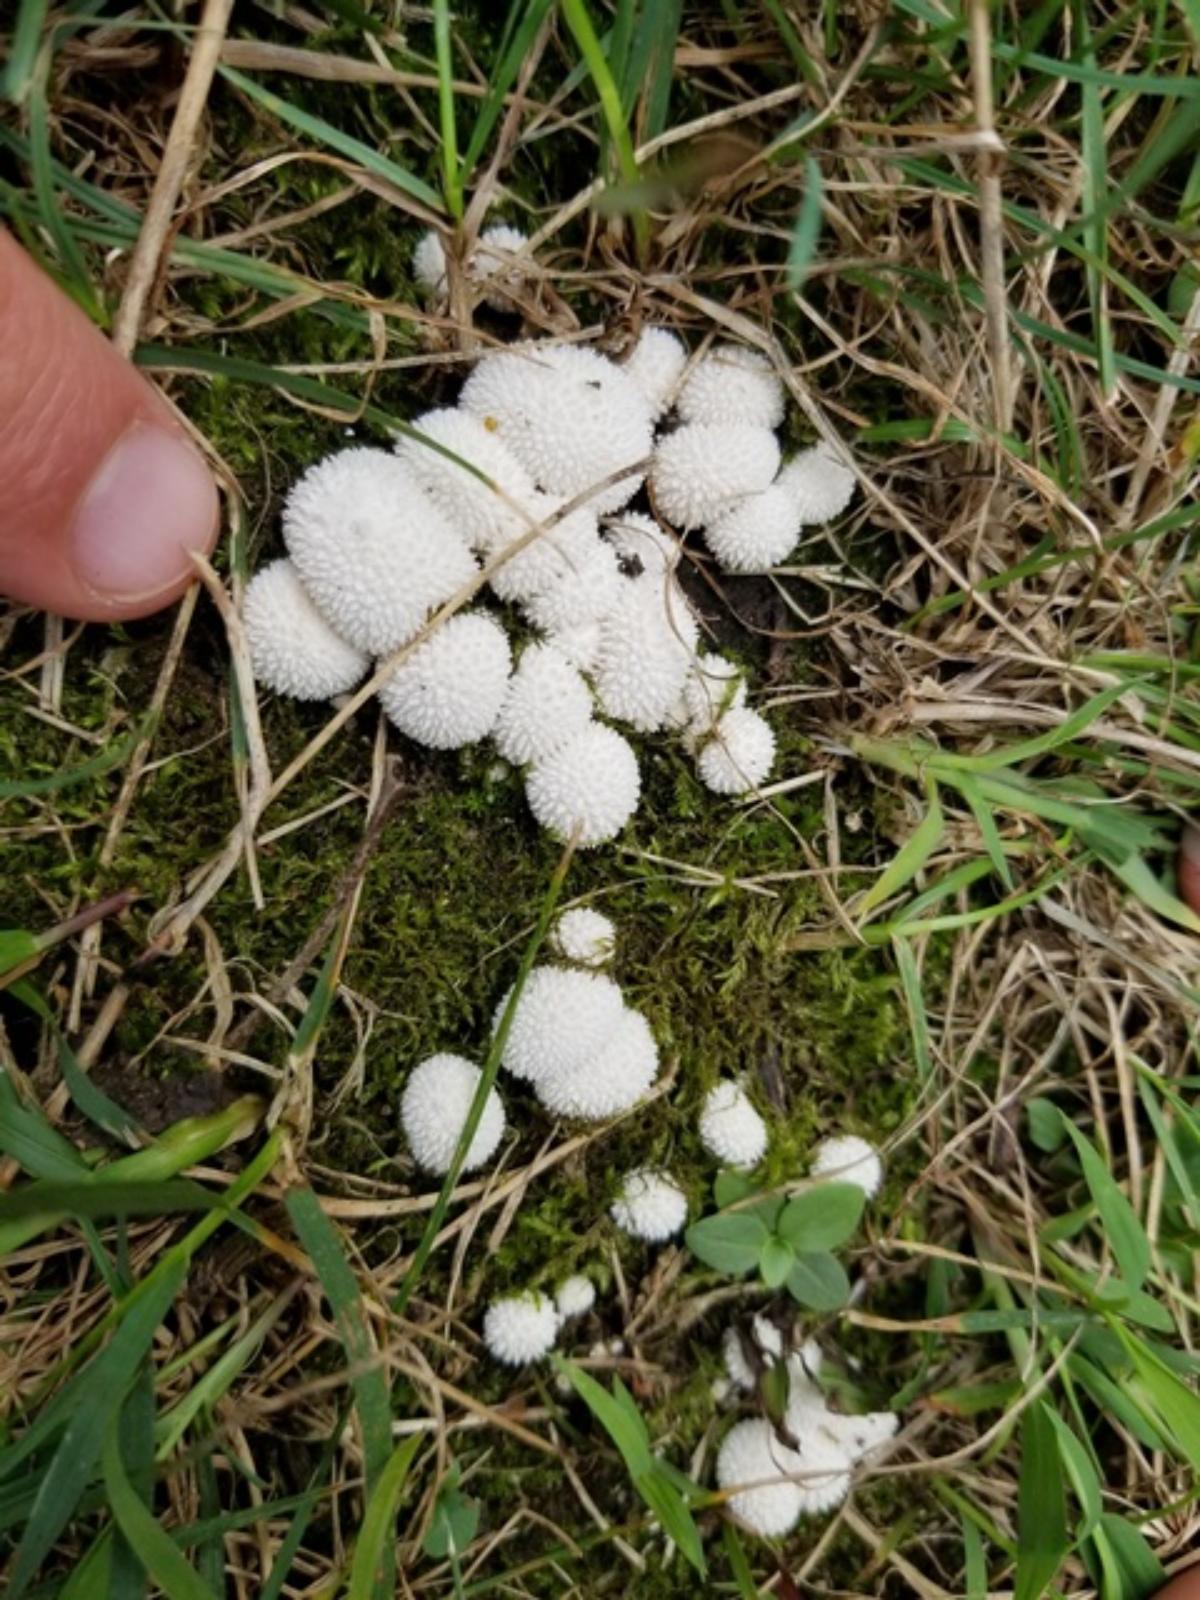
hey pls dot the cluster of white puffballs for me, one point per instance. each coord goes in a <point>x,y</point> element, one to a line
<point>804,1467</point>
<point>532,476</point>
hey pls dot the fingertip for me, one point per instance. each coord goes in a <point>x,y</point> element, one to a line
<point>149,506</point>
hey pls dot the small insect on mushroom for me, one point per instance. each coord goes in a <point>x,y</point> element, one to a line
<point>434,1108</point>
<point>730,1128</point>
<point>293,650</point>
<point>585,937</point>
<point>849,1159</point>
<point>650,1206</point>
<point>588,790</point>
<point>518,1329</point>
<point>450,690</point>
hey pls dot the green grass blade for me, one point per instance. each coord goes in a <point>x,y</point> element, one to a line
<point>803,243</point>
<point>163,1559</point>
<point>1042,1539</point>
<point>592,51</point>
<point>134,1431</point>
<point>452,179</point>
<point>345,144</point>
<point>1080,1473</point>
<point>90,1100</point>
<point>503,76</point>
<point>1174,1405</point>
<point>914,1003</point>
<point>374,1550</point>
<point>652,62</point>
<point>90,1407</point>
<point>113,755</point>
<point>369,1385</point>
<point>1125,1235</point>
<point>909,859</point>
<point>736,1555</point>
<point>23,50</point>
<point>985,821</point>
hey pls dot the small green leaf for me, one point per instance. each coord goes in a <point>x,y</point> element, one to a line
<point>374,1553</point>
<point>1081,1474</point>
<point>775,1260</point>
<point>729,1242</point>
<point>822,1217</point>
<point>455,1523</point>
<point>729,1187</point>
<point>1045,1124</point>
<point>673,1512</point>
<point>1042,1539</point>
<point>16,946</point>
<point>627,1432</point>
<point>1131,1570</point>
<point>1125,1234</point>
<point>819,1282</point>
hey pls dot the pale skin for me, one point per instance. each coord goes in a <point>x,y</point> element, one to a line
<point>103,497</point>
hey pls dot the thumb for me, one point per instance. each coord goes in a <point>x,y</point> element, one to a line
<point>102,495</point>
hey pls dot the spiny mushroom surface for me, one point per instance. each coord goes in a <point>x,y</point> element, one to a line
<point>518,1329</point>
<point>738,754</point>
<point>647,648</point>
<point>715,685</point>
<point>730,1128</point>
<point>650,1206</point>
<point>293,650</point>
<point>373,552</point>
<point>755,533</point>
<point>588,789</point>
<point>434,1108</point>
<point>611,1081</point>
<point>546,704</point>
<point>449,692</point>
<point>849,1159</point>
<point>480,512</point>
<point>701,468</point>
<point>563,1018</point>
<point>819,484</point>
<point>655,365</point>
<point>732,384</point>
<point>585,936</point>
<point>575,1296</point>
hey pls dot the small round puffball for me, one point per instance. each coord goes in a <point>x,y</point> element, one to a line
<point>587,790</point>
<point>655,365</point>
<point>293,650</point>
<point>730,1128</point>
<point>547,703</point>
<point>500,263</point>
<point>732,384</point>
<point>569,416</point>
<point>715,686</point>
<point>575,1296</point>
<point>755,533</point>
<point>433,1110</point>
<point>765,1337</point>
<point>641,544</point>
<point>450,690</point>
<point>520,1328</point>
<point>650,1206</point>
<point>478,512</point>
<point>374,553</point>
<point>849,1159</point>
<point>560,548</point>
<point>584,936</point>
<point>700,468</point>
<point>586,592</point>
<point>429,264</point>
<point>772,1502</point>
<point>819,484</point>
<point>647,649</point>
<point>739,754</point>
<point>563,1019</point>
<point>609,1082</point>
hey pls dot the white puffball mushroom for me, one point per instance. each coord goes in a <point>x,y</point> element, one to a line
<point>755,1463</point>
<point>755,533</point>
<point>560,548</point>
<point>641,544</point>
<point>575,1296</point>
<point>584,936</point>
<point>429,264</point>
<point>546,704</point>
<point>738,754</point>
<point>650,1206</point>
<point>602,1085</point>
<point>819,484</point>
<point>563,1019</point>
<point>580,645</point>
<point>500,263</point>
<point>374,553</point>
<point>766,1337</point>
<point>655,365</point>
<point>730,1128</point>
<point>700,468</point>
<point>732,384</point>
<point>293,650</point>
<point>474,508</point>
<point>587,790</point>
<point>849,1159</point>
<point>586,591</point>
<point>715,685</point>
<point>434,1108</point>
<point>450,690</point>
<point>520,1328</point>
<point>569,416</point>
<point>647,648</point>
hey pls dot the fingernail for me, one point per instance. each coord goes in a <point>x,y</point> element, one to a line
<point>152,502</point>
